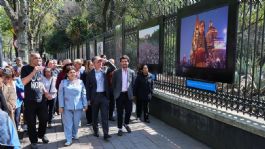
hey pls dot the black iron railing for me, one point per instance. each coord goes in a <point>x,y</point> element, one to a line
<point>246,95</point>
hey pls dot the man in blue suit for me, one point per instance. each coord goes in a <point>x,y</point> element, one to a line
<point>122,83</point>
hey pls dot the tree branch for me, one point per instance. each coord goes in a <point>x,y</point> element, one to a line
<point>9,11</point>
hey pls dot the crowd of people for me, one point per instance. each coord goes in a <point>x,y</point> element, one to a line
<point>39,90</point>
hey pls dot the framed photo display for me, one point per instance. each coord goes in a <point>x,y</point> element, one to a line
<point>150,41</point>
<point>206,41</point>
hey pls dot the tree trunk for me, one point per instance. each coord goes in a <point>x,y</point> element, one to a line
<point>111,14</point>
<point>104,15</point>
<point>22,41</point>
<point>22,36</point>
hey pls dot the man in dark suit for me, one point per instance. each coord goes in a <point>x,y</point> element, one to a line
<point>122,83</point>
<point>97,93</point>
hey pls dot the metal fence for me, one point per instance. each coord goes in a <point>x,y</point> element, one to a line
<point>246,95</point>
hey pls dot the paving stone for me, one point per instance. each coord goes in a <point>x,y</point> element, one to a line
<point>155,135</point>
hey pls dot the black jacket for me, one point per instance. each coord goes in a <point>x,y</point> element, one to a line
<point>91,82</point>
<point>143,87</point>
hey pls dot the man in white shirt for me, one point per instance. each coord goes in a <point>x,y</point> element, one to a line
<point>122,83</point>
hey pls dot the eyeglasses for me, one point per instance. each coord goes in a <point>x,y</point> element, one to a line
<point>72,72</point>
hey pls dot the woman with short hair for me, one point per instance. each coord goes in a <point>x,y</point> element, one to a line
<point>72,100</point>
<point>143,90</point>
<point>49,83</point>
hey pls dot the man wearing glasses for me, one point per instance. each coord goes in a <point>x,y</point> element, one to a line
<point>34,104</point>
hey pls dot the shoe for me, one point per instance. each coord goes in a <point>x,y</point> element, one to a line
<point>45,139</point>
<point>96,134</point>
<point>106,137</point>
<point>147,120</point>
<point>67,143</point>
<point>138,120</point>
<point>34,146</point>
<point>127,128</point>
<point>120,133</point>
<point>111,119</point>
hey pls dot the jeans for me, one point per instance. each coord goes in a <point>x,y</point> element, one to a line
<point>17,116</point>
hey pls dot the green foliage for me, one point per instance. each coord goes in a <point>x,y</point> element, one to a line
<point>57,42</point>
<point>5,23</point>
<point>5,30</point>
<point>78,30</point>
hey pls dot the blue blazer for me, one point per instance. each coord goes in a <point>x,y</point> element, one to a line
<point>72,96</point>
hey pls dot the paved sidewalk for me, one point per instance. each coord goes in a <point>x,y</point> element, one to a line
<point>144,136</point>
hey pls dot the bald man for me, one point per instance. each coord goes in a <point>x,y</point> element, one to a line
<point>34,104</point>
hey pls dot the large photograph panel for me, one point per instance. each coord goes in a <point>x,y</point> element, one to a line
<point>206,41</point>
<point>92,49</point>
<point>100,48</point>
<point>203,39</point>
<point>148,52</point>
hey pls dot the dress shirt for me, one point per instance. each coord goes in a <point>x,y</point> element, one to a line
<point>47,84</point>
<point>100,81</point>
<point>124,80</point>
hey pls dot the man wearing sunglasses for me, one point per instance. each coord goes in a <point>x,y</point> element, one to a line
<point>34,104</point>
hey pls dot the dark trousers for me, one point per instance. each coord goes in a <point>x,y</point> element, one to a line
<point>56,107</point>
<point>123,103</point>
<point>50,107</point>
<point>142,105</point>
<point>33,109</point>
<point>111,104</point>
<point>101,102</point>
<point>89,114</point>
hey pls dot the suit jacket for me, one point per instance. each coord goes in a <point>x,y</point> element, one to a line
<point>91,82</point>
<point>117,83</point>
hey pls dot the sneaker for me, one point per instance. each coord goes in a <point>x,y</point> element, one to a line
<point>106,137</point>
<point>147,120</point>
<point>67,143</point>
<point>127,128</point>
<point>120,133</point>
<point>34,146</point>
<point>45,139</point>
